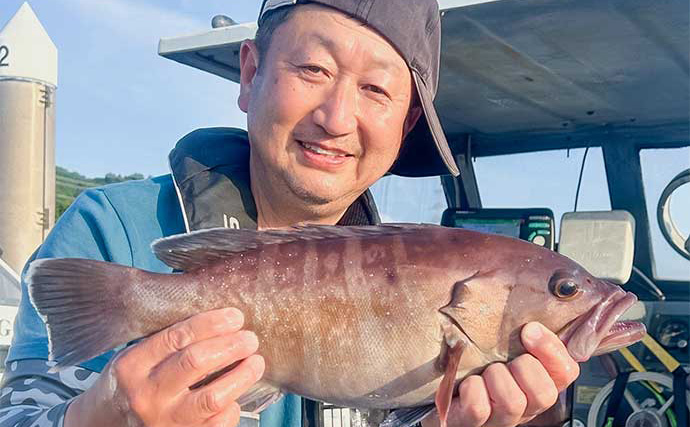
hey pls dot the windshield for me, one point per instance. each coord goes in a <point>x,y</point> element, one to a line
<point>543,179</point>
<point>549,179</point>
<point>659,166</point>
<point>416,200</point>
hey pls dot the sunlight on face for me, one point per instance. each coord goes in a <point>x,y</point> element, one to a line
<point>327,109</point>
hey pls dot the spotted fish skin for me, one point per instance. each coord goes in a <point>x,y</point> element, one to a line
<point>356,316</point>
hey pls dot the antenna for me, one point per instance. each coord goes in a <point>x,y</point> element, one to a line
<point>579,181</point>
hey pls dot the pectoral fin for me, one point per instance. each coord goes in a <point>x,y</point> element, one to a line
<point>259,397</point>
<point>256,399</point>
<point>455,343</point>
<point>444,394</point>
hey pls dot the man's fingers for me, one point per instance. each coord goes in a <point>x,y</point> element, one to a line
<point>472,408</point>
<point>216,397</point>
<point>180,335</point>
<point>508,401</point>
<point>229,417</point>
<point>535,382</point>
<point>551,353</point>
<point>186,367</point>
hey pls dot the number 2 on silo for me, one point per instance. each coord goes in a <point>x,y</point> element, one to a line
<point>4,53</point>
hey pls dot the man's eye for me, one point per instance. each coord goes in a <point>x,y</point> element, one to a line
<point>312,69</point>
<point>376,90</point>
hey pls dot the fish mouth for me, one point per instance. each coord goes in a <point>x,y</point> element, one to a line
<point>599,331</point>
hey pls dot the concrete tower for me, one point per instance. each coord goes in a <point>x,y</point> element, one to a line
<point>28,79</point>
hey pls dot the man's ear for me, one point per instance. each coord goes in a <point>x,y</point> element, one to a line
<point>413,116</point>
<point>249,64</point>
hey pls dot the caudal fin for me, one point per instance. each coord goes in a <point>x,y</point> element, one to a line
<point>82,304</point>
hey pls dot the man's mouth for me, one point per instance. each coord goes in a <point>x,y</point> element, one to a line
<point>322,150</point>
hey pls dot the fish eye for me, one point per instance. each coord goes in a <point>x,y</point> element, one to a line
<point>566,289</point>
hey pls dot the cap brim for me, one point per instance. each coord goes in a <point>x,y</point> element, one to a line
<point>425,151</point>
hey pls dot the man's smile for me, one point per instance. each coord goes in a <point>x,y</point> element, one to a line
<point>321,149</point>
<point>323,157</point>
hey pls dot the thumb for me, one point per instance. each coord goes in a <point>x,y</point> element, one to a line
<point>551,353</point>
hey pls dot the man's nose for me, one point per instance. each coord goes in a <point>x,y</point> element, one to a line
<point>337,114</point>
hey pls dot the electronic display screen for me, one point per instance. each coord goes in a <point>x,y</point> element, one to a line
<point>505,227</point>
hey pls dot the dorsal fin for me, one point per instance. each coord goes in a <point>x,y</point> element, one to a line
<point>200,248</point>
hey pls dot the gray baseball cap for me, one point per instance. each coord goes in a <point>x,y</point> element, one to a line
<point>413,27</point>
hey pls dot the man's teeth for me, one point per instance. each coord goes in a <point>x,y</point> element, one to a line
<point>320,150</point>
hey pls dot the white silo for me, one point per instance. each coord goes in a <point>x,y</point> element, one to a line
<point>28,79</point>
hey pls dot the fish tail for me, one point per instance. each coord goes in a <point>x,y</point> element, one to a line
<point>81,303</point>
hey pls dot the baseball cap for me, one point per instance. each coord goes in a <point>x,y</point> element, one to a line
<point>413,27</point>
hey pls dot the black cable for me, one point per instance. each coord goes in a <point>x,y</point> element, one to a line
<point>579,181</point>
<point>652,287</point>
<point>680,404</point>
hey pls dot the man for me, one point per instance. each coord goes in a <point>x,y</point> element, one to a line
<point>337,93</point>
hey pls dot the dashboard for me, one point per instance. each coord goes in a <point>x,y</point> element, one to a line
<point>534,225</point>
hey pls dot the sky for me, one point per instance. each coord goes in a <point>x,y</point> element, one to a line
<point>121,108</point>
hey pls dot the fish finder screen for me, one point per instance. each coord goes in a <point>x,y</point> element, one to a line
<point>505,227</point>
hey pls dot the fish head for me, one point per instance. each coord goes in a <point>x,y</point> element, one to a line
<point>531,283</point>
<point>599,330</point>
<point>582,309</point>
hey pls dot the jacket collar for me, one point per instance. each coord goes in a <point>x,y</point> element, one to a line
<point>210,169</point>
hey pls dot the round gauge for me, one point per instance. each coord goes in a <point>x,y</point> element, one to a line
<point>673,334</point>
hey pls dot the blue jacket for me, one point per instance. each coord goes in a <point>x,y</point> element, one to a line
<point>209,187</point>
<point>117,223</point>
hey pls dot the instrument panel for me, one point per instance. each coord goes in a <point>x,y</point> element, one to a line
<point>534,225</point>
<point>668,323</point>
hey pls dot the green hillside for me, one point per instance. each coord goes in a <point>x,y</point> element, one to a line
<point>69,184</point>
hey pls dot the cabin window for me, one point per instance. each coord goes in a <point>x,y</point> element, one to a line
<point>417,200</point>
<point>659,166</point>
<point>544,179</point>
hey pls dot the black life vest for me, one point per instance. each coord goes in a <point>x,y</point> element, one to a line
<point>210,168</point>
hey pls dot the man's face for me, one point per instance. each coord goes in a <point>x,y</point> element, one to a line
<point>328,107</point>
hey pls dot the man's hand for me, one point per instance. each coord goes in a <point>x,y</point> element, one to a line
<point>508,394</point>
<point>149,383</point>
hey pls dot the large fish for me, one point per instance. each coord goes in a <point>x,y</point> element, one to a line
<point>385,317</point>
